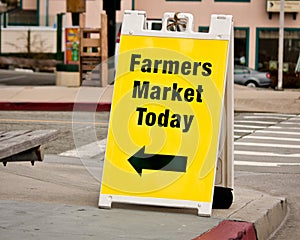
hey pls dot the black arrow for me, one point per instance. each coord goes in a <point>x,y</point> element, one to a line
<point>140,160</point>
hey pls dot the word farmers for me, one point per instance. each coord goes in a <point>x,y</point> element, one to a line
<point>164,119</point>
<point>147,65</point>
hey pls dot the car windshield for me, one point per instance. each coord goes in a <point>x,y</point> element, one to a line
<point>241,70</point>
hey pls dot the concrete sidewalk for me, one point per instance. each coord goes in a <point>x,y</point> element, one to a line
<point>95,98</point>
<point>59,197</point>
<point>266,100</point>
<point>55,98</point>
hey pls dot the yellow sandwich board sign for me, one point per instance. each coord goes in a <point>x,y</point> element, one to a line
<point>165,117</point>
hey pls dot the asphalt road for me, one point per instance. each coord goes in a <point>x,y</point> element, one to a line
<point>10,77</point>
<point>267,150</point>
<point>267,159</point>
<point>75,128</point>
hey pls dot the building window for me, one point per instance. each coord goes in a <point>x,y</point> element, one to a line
<point>18,15</point>
<point>267,44</point>
<point>267,50</point>
<point>241,44</point>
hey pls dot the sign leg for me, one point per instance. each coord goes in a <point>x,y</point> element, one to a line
<point>105,201</point>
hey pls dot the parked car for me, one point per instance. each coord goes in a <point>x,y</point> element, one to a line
<point>251,78</point>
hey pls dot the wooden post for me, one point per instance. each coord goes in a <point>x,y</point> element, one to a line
<point>104,50</point>
<point>93,51</point>
<point>76,6</point>
<point>81,27</point>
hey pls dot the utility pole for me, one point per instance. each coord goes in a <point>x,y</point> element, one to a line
<point>280,48</point>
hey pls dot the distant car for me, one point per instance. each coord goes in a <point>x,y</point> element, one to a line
<point>251,78</point>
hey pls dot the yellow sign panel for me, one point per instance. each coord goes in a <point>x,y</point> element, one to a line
<point>165,118</point>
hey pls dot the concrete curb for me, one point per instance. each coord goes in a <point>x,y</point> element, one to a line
<point>265,212</point>
<point>54,106</point>
<point>229,229</point>
<point>271,219</point>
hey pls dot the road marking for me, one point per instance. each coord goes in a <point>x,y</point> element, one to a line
<point>272,138</point>
<point>249,126</point>
<point>278,132</point>
<point>255,122</point>
<point>267,154</point>
<point>266,145</point>
<point>96,148</point>
<point>243,131</point>
<point>51,121</point>
<point>290,123</point>
<point>274,114</point>
<point>287,128</point>
<point>87,151</point>
<point>264,164</point>
<point>267,117</point>
<point>10,78</point>
<point>296,118</point>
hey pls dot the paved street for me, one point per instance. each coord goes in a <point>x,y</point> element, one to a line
<point>267,150</point>
<point>264,142</point>
<point>267,158</point>
<point>75,128</point>
<point>23,78</point>
<point>267,142</point>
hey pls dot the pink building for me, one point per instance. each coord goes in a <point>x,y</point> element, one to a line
<point>256,26</point>
<point>256,23</point>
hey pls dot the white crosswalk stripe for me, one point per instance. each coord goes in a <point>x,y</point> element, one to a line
<point>255,122</point>
<point>273,114</point>
<point>273,138</point>
<point>266,154</point>
<point>261,140</point>
<point>270,131</point>
<point>248,126</point>
<point>258,144</point>
<point>265,117</point>
<point>87,151</point>
<point>273,141</point>
<point>264,164</point>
